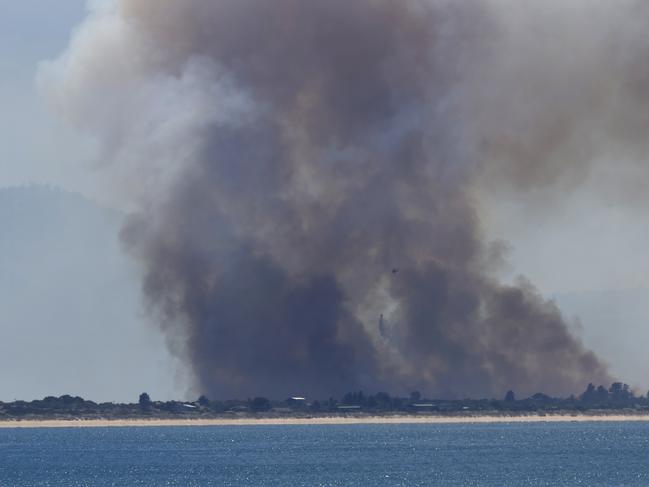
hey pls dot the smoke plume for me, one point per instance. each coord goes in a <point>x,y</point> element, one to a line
<point>305,175</point>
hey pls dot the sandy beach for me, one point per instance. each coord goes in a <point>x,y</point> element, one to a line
<point>100,423</point>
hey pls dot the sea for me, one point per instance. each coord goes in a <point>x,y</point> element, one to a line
<point>516,454</point>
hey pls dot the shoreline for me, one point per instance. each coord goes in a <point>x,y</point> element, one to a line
<point>323,420</point>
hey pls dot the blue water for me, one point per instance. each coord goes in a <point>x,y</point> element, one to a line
<point>551,454</point>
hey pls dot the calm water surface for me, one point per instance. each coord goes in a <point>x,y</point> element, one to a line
<point>590,454</point>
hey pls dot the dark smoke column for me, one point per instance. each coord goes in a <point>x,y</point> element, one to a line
<point>301,168</point>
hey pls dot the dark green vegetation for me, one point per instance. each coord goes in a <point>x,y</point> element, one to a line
<point>594,400</point>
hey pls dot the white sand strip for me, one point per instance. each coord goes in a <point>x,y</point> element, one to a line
<point>101,423</point>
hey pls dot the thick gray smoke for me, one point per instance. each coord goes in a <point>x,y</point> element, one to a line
<point>305,175</point>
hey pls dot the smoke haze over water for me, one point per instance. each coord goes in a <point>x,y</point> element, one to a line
<point>301,168</point>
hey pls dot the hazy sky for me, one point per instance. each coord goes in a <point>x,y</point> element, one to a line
<point>35,147</point>
<point>67,326</point>
<point>589,252</point>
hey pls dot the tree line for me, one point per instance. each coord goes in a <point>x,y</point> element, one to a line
<point>615,397</point>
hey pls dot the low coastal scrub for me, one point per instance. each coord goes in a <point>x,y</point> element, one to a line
<point>617,399</point>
